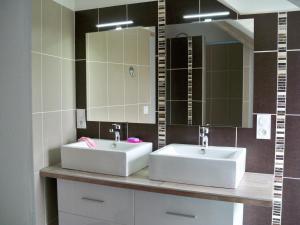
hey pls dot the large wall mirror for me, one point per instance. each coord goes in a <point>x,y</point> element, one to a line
<point>121,75</point>
<point>210,73</point>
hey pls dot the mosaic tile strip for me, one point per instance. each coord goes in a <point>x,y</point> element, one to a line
<point>280,119</point>
<point>161,73</point>
<point>190,80</point>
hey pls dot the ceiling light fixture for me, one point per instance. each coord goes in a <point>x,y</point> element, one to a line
<point>114,24</point>
<point>205,15</point>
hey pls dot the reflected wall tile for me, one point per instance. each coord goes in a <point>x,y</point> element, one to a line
<point>143,14</point>
<point>176,9</point>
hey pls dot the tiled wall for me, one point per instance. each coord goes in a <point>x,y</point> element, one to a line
<point>260,153</point>
<point>53,96</point>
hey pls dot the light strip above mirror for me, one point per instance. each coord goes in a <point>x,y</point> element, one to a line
<point>206,15</point>
<point>114,24</point>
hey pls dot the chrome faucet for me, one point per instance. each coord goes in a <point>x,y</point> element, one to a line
<point>116,130</point>
<point>203,136</point>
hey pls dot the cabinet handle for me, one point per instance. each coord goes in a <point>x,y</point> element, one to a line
<point>181,215</point>
<point>92,200</point>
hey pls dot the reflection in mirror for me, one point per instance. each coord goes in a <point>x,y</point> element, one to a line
<point>210,73</point>
<point>121,75</point>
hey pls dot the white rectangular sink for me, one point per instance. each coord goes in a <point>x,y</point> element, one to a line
<point>192,164</point>
<point>109,157</point>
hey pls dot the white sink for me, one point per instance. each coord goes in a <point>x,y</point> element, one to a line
<point>192,164</point>
<point>121,159</point>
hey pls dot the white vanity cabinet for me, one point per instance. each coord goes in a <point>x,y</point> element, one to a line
<point>90,204</point>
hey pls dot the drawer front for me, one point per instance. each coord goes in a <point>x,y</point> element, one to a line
<point>95,201</point>
<point>69,219</point>
<point>160,209</point>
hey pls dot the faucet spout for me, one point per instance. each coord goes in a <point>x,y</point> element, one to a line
<point>116,130</point>
<point>203,136</point>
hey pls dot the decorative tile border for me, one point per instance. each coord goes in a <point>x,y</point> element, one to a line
<point>161,73</point>
<point>280,119</point>
<point>190,80</point>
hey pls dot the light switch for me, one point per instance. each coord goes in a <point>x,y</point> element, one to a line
<point>146,110</point>
<point>263,127</point>
<point>81,121</point>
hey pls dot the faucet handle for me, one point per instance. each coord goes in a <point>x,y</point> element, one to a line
<point>204,130</point>
<point>117,126</point>
<point>111,130</point>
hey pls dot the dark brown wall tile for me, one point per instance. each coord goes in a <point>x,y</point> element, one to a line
<point>292,154</point>
<point>260,153</point>
<point>293,91</point>
<point>291,202</point>
<point>106,126</point>
<point>222,136</point>
<point>182,134</point>
<point>80,84</point>
<point>176,9</point>
<point>197,113</point>
<point>143,14</point>
<point>146,132</point>
<point>85,22</point>
<point>255,215</point>
<point>293,30</point>
<point>265,32</point>
<point>91,131</point>
<point>197,51</point>
<point>265,70</point>
<point>197,84</point>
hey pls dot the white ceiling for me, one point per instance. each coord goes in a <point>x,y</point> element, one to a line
<point>78,5</point>
<point>260,6</point>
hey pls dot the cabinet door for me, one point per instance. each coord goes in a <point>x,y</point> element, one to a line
<point>96,201</point>
<point>69,219</point>
<point>161,209</point>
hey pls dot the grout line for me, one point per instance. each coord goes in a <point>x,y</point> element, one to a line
<point>236,137</point>
<point>55,111</point>
<point>291,178</point>
<point>54,56</point>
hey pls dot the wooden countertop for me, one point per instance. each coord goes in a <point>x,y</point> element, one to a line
<point>254,189</point>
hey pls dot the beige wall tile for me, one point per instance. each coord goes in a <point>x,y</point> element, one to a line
<point>51,28</point>
<point>36,83</point>
<point>97,46</point>
<point>143,47</point>
<point>68,85</point>
<point>132,113</point>
<point>145,84</point>
<point>131,85</point>
<point>97,114</point>
<point>68,33</point>
<point>36,25</point>
<point>52,137</point>
<point>51,86</point>
<point>97,84</point>
<point>37,140</point>
<point>130,46</point>
<point>116,84</point>
<point>115,46</point>
<point>69,126</point>
<point>116,114</point>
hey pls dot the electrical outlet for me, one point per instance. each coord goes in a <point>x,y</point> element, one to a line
<point>263,127</point>
<point>81,121</point>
